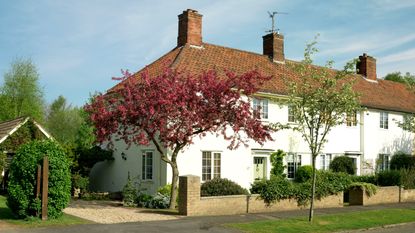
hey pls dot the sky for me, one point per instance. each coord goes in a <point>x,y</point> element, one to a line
<point>78,46</point>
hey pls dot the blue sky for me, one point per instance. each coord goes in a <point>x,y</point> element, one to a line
<point>79,45</point>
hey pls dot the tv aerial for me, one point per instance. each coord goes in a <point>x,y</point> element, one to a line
<point>272,16</point>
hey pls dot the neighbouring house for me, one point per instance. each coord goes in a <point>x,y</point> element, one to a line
<point>370,137</point>
<point>13,134</point>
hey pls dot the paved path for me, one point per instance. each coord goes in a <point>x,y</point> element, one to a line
<point>213,224</point>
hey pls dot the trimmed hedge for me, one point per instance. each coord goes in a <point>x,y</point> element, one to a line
<point>402,160</point>
<point>343,164</point>
<point>304,173</point>
<point>221,187</point>
<point>22,180</point>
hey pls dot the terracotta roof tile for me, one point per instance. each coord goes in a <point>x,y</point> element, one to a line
<point>382,94</point>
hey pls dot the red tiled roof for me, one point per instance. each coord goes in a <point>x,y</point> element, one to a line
<point>386,95</point>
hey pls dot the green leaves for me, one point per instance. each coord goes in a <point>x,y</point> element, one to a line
<point>21,197</point>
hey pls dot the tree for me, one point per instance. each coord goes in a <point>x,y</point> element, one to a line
<point>21,94</point>
<point>171,109</point>
<point>320,98</point>
<point>398,77</point>
<point>64,121</point>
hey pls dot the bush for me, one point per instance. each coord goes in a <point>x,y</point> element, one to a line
<point>304,173</point>
<point>129,193</point>
<point>22,179</point>
<point>365,179</point>
<point>401,160</point>
<point>388,178</point>
<point>408,178</point>
<point>221,187</point>
<point>2,163</point>
<point>277,162</point>
<point>277,188</point>
<point>343,164</point>
<point>370,189</point>
<point>165,190</point>
<point>144,200</point>
<point>273,190</point>
<point>81,183</point>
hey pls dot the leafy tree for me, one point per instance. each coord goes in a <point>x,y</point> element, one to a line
<point>321,98</point>
<point>398,77</point>
<point>343,164</point>
<point>277,162</point>
<point>21,94</point>
<point>63,121</point>
<point>171,109</point>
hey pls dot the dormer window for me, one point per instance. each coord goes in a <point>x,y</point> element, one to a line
<point>261,105</point>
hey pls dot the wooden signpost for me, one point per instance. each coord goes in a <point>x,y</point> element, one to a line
<point>42,183</point>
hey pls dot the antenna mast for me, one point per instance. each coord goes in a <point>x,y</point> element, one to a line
<point>272,16</point>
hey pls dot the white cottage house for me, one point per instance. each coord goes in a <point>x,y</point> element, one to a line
<point>370,138</point>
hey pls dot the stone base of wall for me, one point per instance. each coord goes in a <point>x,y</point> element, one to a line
<point>408,195</point>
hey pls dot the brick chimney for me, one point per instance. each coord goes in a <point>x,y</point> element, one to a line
<point>273,46</point>
<point>366,66</point>
<point>190,28</point>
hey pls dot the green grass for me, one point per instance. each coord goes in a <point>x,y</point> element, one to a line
<point>7,216</point>
<point>330,223</point>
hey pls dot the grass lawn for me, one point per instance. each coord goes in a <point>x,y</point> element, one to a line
<point>330,223</point>
<point>7,216</point>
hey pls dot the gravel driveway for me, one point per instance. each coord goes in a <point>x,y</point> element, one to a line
<point>108,212</point>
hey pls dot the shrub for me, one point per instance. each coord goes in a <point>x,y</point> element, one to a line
<point>388,178</point>
<point>365,179</point>
<point>221,187</point>
<point>144,200</point>
<point>273,190</point>
<point>159,201</point>
<point>22,179</point>
<point>165,190</point>
<point>304,173</point>
<point>81,183</point>
<point>408,178</point>
<point>401,160</point>
<point>277,162</point>
<point>370,189</point>
<point>129,193</point>
<point>343,164</point>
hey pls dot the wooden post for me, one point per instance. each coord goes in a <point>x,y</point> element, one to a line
<point>45,176</point>
<point>38,180</point>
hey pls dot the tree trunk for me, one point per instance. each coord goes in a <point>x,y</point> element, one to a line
<point>313,190</point>
<point>174,183</point>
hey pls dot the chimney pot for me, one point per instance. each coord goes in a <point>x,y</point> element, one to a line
<point>190,28</point>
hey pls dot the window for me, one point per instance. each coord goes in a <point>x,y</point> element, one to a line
<point>383,162</point>
<point>293,163</point>
<point>209,162</point>
<point>384,121</point>
<point>325,160</point>
<point>261,105</point>
<point>351,119</point>
<point>291,116</point>
<point>147,165</point>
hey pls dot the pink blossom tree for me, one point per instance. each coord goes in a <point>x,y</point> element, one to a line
<point>172,109</point>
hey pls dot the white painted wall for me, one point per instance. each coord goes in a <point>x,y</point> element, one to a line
<point>363,142</point>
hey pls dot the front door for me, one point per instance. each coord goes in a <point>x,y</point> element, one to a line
<point>259,168</point>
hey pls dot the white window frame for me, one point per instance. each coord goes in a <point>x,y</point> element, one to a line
<point>291,116</point>
<point>325,160</point>
<point>294,160</point>
<point>262,106</point>
<point>384,120</point>
<point>384,162</point>
<point>146,173</point>
<point>211,165</point>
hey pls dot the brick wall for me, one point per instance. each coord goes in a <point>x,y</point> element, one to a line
<point>192,204</point>
<point>408,195</point>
